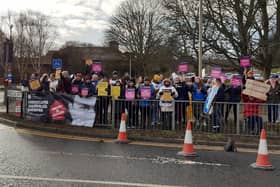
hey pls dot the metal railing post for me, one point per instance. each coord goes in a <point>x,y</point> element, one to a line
<point>173,116</point>
<point>113,112</point>
<point>238,119</point>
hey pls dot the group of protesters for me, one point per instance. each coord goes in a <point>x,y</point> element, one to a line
<point>157,106</point>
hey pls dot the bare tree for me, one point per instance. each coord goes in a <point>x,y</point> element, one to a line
<point>183,19</point>
<point>33,36</point>
<point>40,35</point>
<point>138,27</point>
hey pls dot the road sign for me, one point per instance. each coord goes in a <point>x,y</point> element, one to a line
<point>57,63</point>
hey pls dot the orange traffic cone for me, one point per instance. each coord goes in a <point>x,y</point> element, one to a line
<point>262,159</point>
<point>188,150</point>
<point>122,137</point>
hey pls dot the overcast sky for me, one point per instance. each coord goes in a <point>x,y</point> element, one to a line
<point>78,20</point>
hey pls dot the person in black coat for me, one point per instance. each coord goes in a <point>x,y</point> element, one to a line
<point>233,96</point>
<point>182,101</point>
<point>217,114</point>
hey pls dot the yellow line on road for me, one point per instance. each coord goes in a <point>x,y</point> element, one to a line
<point>114,183</point>
<point>151,144</point>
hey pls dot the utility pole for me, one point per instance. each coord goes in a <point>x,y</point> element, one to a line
<point>130,66</point>
<point>200,40</point>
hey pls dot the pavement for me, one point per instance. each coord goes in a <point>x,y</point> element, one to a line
<point>35,158</point>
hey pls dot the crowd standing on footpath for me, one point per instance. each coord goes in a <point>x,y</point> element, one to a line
<point>154,98</point>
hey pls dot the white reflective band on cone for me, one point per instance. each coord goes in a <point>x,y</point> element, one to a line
<point>122,127</point>
<point>263,147</point>
<point>188,137</point>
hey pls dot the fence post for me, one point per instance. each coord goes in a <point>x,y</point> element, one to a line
<point>173,116</point>
<point>7,100</point>
<point>238,119</point>
<point>113,112</point>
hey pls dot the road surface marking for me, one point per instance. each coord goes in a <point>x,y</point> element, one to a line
<point>155,160</point>
<point>115,183</point>
<point>151,144</point>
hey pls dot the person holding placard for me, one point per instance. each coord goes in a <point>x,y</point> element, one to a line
<point>253,121</point>
<point>34,82</point>
<point>131,104</point>
<point>44,82</point>
<point>87,89</point>
<point>77,83</point>
<point>247,74</point>
<point>166,93</point>
<point>103,101</point>
<point>117,93</point>
<point>146,92</point>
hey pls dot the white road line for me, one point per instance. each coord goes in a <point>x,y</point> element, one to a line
<point>115,183</point>
<point>155,160</point>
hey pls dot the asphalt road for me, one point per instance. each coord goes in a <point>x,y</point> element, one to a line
<point>28,160</point>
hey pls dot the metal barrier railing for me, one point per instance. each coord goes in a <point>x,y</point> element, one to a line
<point>226,117</point>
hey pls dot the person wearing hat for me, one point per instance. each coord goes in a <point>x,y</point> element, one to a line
<point>247,75</point>
<point>77,83</point>
<point>156,83</point>
<point>273,99</point>
<point>146,92</point>
<point>115,77</point>
<point>87,89</point>
<point>166,93</point>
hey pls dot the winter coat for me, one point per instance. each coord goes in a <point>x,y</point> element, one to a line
<point>183,91</point>
<point>251,106</point>
<point>199,96</point>
<point>233,94</point>
<point>90,89</point>
<point>274,94</point>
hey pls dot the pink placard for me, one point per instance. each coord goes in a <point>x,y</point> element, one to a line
<point>146,93</point>
<point>245,62</point>
<point>223,78</point>
<point>84,92</point>
<point>75,89</point>
<point>236,81</point>
<point>96,67</point>
<point>216,72</point>
<point>183,68</point>
<point>130,94</point>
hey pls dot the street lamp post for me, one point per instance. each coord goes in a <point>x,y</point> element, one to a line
<point>200,40</point>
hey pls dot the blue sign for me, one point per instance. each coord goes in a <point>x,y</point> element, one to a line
<point>10,77</point>
<point>57,63</point>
